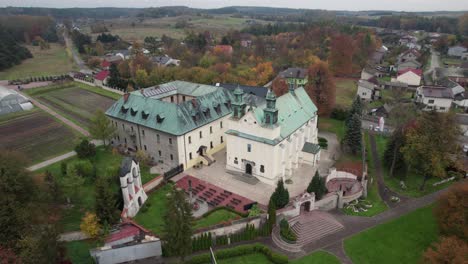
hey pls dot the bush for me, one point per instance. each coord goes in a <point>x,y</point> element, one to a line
<point>63,168</point>
<point>323,142</point>
<point>286,232</point>
<point>241,251</point>
<point>85,169</point>
<point>339,114</point>
<point>85,149</point>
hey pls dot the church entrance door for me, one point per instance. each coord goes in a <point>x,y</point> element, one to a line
<point>248,168</point>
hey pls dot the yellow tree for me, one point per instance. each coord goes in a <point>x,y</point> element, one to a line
<point>263,72</point>
<point>90,225</point>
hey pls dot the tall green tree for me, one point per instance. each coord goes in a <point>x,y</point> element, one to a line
<point>271,214</point>
<point>317,186</point>
<point>17,192</point>
<point>71,182</point>
<point>101,127</point>
<point>178,223</point>
<point>353,137</point>
<point>431,144</point>
<point>280,196</point>
<point>106,205</point>
<point>41,246</point>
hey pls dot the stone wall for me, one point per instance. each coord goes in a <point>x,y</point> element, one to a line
<point>236,226</point>
<point>147,187</point>
<point>128,253</point>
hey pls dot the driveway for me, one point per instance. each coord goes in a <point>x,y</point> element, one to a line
<point>435,63</point>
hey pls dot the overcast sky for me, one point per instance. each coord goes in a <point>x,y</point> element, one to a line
<point>397,5</point>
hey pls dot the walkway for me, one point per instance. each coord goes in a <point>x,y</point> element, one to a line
<point>72,236</point>
<point>435,63</point>
<point>75,55</point>
<point>385,193</point>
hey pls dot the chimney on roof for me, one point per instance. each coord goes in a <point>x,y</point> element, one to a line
<point>126,96</point>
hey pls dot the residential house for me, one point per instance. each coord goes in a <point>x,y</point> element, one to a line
<point>409,64</point>
<point>295,77</point>
<point>381,111</point>
<point>271,141</point>
<point>456,51</point>
<point>101,78</point>
<point>412,77</point>
<point>408,55</point>
<point>164,61</point>
<point>458,75</point>
<point>369,72</point>
<point>246,40</point>
<point>368,91</point>
<point>124,54</point>
<point>378,55</point>
<point>395,85</point>
<point>109,60</point>
<point>128,242</point>
<point>438,98</point>
<point>462,120</point>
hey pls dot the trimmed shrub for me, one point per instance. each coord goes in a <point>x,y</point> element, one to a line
<point>85,149</point>
<point>286,232</point>
<point>241,251</point>
<point>323,142</point>
<point>85,169</point>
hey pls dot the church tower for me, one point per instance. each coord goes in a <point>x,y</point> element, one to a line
<point>238,106</point>
<point>270,112</point>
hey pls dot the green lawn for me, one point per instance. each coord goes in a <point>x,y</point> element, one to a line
<point>216,217</point>
<point>153,218</point>
<point>78,251</point>
<point>333,126</point>
<point>104,160</point>
<point>451,61</point>
<point>373,196</point>
<point>319,257</point>
<point>54,61</point>
<point>345,92</point>
<point>402,240</point>
<point>256,258</point>
<point>412,180</point>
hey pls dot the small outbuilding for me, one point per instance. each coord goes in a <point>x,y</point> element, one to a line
<point>11,101</point>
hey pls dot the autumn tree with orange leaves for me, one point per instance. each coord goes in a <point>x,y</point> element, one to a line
<point>279,86</point>
<point>451,250</point>
<point>452,211</point>
<point>341,55</point>
<point>321,88</point>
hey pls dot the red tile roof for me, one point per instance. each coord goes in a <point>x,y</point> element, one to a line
<point>416,71</point>
<point>105,64</point>
<point>102,75</point>
<point>125,231</point>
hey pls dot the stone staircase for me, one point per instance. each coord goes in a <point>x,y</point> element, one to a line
<point>309,227</point>
<point>314,225</point>
<point>208,159</point>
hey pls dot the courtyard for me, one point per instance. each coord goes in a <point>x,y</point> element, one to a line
<point>258,191</point>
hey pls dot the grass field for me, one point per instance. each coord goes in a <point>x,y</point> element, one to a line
<point>373,196</point>
<point>53,61</point>
<point>78,251</point>
<point>402,240</point>
<point>104,160</point>
<point>36,134</point>
<point>319,257</point>
<point>77,102</point>
<point>412,180</point>
<point>134,30</point>
<point>345,92</point>
<point>333,126</point>
<point>153,218</point>
<point>216,217</point>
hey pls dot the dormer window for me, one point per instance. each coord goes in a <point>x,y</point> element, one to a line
<point>160,118</point>
<point>228,104</point>
<point>207,112</point>
<point>124,109</point>
<point>144,114</point>
<point>133,111</point>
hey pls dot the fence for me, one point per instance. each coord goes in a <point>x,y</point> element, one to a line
<point>173,172</point>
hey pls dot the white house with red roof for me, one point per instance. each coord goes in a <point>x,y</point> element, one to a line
<point>412,77</point>
<point>101,77</point>
<point>128,242</point>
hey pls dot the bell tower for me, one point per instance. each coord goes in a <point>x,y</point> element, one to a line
<point>239,105</point>
<point>270,111</point>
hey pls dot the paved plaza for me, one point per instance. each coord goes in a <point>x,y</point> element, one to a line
<point>216,174</point>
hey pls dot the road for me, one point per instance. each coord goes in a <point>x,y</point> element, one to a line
<point>76,56</point>
<point>435,63</point>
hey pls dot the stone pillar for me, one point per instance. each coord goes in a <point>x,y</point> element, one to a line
<point>339,203</point>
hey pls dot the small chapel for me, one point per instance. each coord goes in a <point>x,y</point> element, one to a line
<point>132,189</point>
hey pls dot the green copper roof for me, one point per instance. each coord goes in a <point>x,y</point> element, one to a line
<point>293,111</point>
<point>252,137</point>
<point>211,103</point>
<point>311,148</point>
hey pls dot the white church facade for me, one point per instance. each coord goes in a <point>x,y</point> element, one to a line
<point>272,140</point>
<point>132,189</point>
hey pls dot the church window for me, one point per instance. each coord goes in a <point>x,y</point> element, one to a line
<point>125,140</point>
<point>236,161</point>
<point>222,140</point>
<point>211,130</point>
<point>159,152</point>
<point>211,144</point>
<point>143,132</point>
<point>190,140</point>
<point>249,148</point>
<point>262,168</point>
<point>190,155</point>
<point>134,172</point>
<point>144,147</point>
<point>201,134</point>
<point>221,124</point>
<point>267,119</point>
<point>172,157</point>
<point>170,141</point>
<point>157,138</point>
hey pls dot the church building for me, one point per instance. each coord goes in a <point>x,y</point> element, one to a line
<point>271,140</point>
